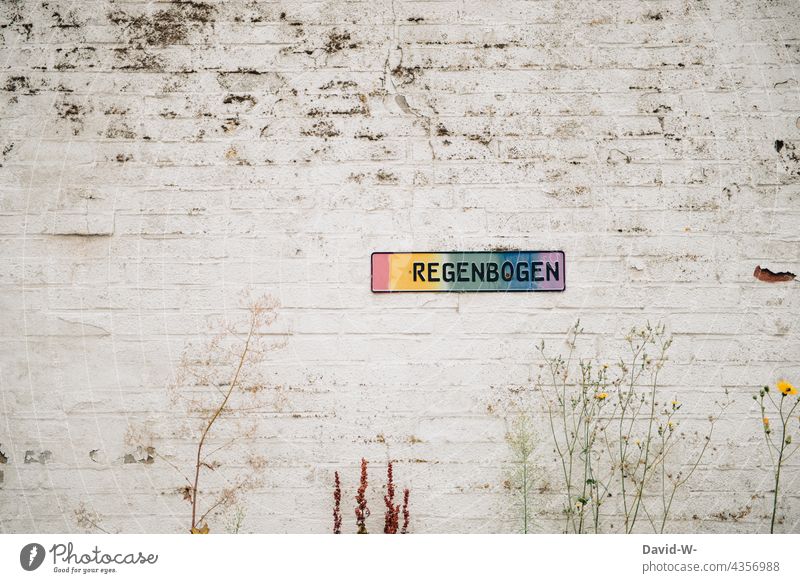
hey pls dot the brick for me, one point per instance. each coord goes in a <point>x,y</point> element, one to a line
<point>148,176</point>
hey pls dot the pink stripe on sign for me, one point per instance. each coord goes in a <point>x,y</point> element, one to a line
<point>380,271</point>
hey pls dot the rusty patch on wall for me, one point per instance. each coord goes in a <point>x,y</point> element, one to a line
<point>769,276</point>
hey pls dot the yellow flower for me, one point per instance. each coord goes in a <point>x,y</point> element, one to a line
<point>766,420</point>
<point>601,396</point>
<point>786,388</point>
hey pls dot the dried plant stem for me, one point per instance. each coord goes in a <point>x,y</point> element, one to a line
<point>87,518</point>
<point>221,501</point>
<point>199,459</point>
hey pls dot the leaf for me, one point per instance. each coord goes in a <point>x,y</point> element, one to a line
<point>201,530</point>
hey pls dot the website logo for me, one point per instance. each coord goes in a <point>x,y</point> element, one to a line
<point>31,556</point>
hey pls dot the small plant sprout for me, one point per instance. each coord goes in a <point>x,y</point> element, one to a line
<point>522,440</point>
<point>212,383</point>
<point>235,519</point>
<point>88,519</point>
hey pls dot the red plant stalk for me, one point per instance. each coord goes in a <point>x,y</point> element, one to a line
<point>337,504</point>
<point>406,514</point>
<point>362,512</point>
<point>391,518</point>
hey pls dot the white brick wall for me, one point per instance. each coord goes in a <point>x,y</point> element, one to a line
<point>158,158</point>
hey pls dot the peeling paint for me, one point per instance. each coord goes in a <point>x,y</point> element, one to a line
<point>41,457</point>
<point>141,455</point>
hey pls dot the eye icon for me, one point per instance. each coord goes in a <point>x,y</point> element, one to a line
<point>31,556</point>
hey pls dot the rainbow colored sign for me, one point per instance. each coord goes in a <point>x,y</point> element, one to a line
<point>469,271</point>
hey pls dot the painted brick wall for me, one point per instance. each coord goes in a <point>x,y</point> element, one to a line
<point>159,158</point>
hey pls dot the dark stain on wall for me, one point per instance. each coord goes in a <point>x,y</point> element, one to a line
<point>19,83</point>
<point>321,129</point>
<point>72,113</point>
<point>78,57</point>
<point>16,12</point>
<point>787,152</point>
<point>169,26</point>
<point>338,41</point>
<point>6,151</point>
<point>233,99</point>
<point>136,59</point>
